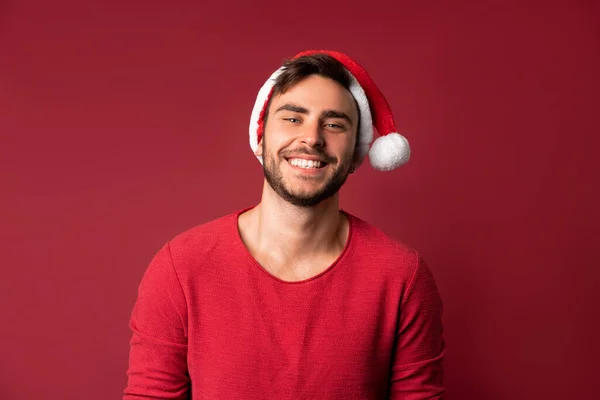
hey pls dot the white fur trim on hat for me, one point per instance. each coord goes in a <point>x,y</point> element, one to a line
<point>365,129</point>
<point>261,99</point>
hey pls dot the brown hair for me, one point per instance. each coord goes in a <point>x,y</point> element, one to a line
<point>299,68</point>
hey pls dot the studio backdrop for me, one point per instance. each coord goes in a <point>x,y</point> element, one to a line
<point>124,123</point>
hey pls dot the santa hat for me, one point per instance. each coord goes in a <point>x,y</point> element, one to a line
<point>389,151</point>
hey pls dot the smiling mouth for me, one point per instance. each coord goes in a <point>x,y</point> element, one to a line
<point>306,164</point>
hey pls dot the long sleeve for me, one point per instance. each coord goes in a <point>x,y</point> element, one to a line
<point>417,370</point>
<point>158,347</point>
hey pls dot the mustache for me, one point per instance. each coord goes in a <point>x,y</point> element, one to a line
<point>309,152</point>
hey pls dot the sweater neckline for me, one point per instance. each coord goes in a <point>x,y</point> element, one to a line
<point>249,256</point>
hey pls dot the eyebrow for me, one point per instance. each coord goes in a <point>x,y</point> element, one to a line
<point>293,108</point>
<point>336,114</point>
<point>324,114</point>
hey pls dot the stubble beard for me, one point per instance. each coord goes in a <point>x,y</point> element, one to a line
<point>274,177</point>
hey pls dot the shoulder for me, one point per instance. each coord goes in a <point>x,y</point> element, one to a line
<point>371,239</point>
<point>202,243</point>
<point>206,233</point>
<point>395,262</point>
<point>390,255</point>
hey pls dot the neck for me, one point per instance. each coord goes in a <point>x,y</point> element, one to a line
<point>292,232</point>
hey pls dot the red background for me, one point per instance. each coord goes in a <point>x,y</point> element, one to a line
<point>124,123</point>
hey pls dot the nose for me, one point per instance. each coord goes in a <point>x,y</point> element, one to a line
<point>312,135</point>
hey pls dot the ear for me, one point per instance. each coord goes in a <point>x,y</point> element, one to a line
<point>259,149</point>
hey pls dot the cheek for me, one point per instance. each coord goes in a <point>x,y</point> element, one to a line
<point>343,144</point>
<point>277,139</point>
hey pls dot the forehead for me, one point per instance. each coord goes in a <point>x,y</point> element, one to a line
<point>317,93</point>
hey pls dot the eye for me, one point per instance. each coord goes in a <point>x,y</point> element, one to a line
<point>292,120</point>
<point>335,127</point>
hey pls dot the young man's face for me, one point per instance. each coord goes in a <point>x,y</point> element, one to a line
<point>309,140</point>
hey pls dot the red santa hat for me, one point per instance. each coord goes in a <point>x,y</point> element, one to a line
<point>389,151</point>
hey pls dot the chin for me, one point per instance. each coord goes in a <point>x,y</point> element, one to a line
<point>303,191</point>
<point>304,201</point>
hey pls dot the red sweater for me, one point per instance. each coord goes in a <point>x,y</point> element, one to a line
<point>210,323</point>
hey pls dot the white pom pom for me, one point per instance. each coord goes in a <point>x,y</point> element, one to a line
<point>389,152</point>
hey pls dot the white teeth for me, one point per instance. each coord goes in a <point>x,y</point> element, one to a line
<point>298,162</point>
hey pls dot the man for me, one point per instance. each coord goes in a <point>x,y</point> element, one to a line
<point>294,298</point>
